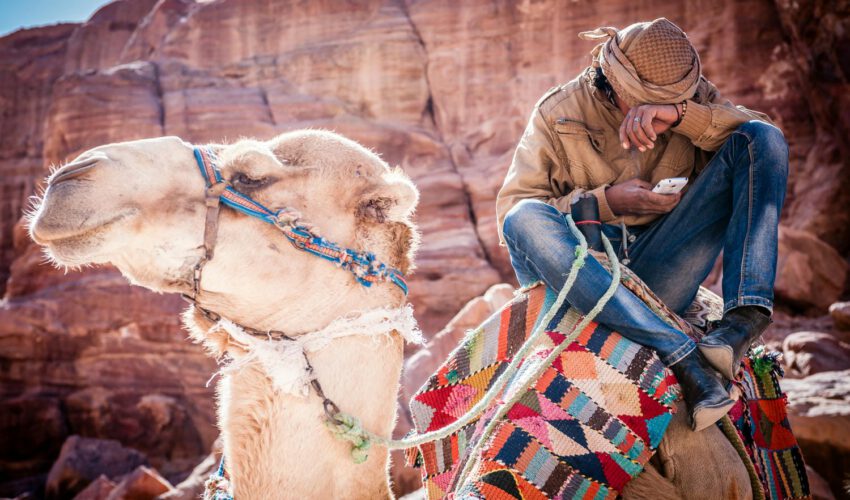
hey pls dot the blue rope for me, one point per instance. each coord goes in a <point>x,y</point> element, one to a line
<point>361,264</point>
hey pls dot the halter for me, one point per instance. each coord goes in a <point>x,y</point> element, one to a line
<point>363,265</point>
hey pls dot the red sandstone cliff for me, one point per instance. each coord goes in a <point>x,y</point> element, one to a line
<point>441,88</point>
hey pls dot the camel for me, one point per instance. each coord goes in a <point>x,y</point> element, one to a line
<point>141,207</point>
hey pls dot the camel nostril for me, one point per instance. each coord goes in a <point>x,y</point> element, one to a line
<point>74,169</point>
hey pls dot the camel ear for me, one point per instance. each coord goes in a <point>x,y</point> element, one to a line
<point>394,198</point>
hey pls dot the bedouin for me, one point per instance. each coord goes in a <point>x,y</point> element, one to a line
<point>641,113</point>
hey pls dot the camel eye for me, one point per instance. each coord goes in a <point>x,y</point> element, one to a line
<point>246,181</point>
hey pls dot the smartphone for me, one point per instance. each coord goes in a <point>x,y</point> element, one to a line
<point>670,185</point>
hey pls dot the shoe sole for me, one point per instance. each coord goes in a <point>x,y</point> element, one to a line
<point>721,358</point>
<point>707,416</point>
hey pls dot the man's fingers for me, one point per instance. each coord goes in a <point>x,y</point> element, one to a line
<point>665,202</point>
<point>641,183</point>
<point>637,130</point>
<point>639,125</point>
<point>646,122</point>
<point>633,137</point>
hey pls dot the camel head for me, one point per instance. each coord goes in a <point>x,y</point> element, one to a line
<point>139,205</point>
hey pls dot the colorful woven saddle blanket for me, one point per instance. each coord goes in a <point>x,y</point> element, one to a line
<point>594,418</point>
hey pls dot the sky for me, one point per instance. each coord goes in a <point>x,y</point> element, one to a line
<point>15,14</point>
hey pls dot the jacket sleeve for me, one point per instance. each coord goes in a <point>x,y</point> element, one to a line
<point>529,174</point>
<point>711,119</point>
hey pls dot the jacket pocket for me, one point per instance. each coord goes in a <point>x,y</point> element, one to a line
<point>583,148</point>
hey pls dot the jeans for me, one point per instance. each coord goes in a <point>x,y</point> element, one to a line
<point>733,205</point>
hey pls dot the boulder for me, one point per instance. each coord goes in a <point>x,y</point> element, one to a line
<point>143,483</point>
<point>192,487</point>
<point>809,272</point>
<point>819,414</point>
<point>840,312</point>
<point>99,489</point>
<point>807,353</point>
<point>82,460</point>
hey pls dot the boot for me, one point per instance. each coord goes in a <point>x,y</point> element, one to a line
<point>724,347</point>
<point>707,399</point>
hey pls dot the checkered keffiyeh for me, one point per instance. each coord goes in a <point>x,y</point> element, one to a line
<point>647,62</point>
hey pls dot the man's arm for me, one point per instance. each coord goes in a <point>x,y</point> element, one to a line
<point>529,174</point>
<point>709,123</point>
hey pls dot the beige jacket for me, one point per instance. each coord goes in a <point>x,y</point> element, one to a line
<point>572,145</point>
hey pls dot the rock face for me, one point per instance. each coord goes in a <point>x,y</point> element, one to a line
<point>809,273</point>
<point>840,312</point>
<point>441,88</point>
<point>807,353</point>
<point>143,482</point>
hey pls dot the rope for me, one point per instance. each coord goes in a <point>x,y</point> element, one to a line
<point>348,428</point>
<point>731,434</point>
<point>347,425</point>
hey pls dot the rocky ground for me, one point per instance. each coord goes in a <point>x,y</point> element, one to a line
<point>442,89</point>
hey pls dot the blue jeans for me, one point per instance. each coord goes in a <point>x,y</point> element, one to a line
<point>733,205</point>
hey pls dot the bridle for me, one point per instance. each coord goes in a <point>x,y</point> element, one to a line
<point>362,264</point>
<point>365,267</point>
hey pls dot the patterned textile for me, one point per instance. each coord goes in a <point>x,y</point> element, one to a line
<point>586,427</point>
<point>761,420</point>
<point>593,419</point>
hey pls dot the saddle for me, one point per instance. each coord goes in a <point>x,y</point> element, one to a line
<point>594,418</point>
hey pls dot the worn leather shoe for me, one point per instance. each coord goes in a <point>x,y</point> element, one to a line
<point>724,347</point>
<point>702,389</point>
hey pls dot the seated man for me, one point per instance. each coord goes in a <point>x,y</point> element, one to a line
<point>641,113</point>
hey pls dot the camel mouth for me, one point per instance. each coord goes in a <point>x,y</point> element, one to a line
<point>52,235</point>
<point>73,248</point>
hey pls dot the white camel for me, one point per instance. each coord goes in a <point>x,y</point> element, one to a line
<point>141,206</point>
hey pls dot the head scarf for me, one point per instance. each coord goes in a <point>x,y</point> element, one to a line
<point>647,63</point>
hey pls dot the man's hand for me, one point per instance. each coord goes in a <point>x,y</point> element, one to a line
<point>635,197</point>
<point>643,123</point>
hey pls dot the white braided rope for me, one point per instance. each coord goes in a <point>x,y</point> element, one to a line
<point>284,361</point>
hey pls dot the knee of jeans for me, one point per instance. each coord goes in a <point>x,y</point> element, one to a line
<point>770,144</point>
<point>521,219</point>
